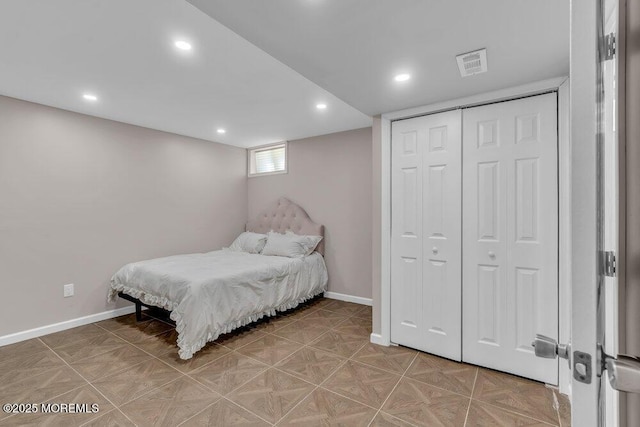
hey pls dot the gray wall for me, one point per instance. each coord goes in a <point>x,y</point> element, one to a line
<point>330,177</point>
<point>81,196</point>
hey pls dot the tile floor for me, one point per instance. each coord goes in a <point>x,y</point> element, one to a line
<point>310,366</point>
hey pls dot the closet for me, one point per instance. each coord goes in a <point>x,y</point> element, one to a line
<point>474,234</point>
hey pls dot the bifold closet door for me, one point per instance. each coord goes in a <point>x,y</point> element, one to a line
<point>510,234</point>
<point>425,234</point>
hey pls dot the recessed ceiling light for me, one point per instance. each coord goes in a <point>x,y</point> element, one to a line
<point>321,106</point>
<point>182,45</point>
<point>402,77</point>
<point>221,131</point>
<point>90,97</point>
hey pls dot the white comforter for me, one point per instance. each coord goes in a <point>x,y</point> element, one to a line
<point>213,293</point>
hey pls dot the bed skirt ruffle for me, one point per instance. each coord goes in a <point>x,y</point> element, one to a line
<point>187,350</point>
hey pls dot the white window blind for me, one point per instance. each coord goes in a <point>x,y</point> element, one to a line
<point>268,160</point>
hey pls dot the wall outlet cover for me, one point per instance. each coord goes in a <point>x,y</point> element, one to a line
<point>68,290</point>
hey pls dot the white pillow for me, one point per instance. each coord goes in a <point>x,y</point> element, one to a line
<point>290,244</point>
<point>249,242</point>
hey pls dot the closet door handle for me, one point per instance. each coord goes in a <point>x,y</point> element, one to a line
<point>434,250</point>
<point>492,254</point>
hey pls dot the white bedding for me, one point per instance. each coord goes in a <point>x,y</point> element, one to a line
<point>213,293</point>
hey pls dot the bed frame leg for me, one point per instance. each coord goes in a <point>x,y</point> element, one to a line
<point>138,312</point>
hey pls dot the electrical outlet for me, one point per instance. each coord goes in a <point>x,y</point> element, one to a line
<point>68,290</point>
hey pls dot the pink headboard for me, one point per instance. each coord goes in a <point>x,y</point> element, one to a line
<point>284,215</point>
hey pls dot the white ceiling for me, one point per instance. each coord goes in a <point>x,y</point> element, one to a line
<point>259,67</point>
<point>353,48</point>
<point>51,52</point>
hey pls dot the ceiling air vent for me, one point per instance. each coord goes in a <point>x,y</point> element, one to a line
<point>471,63</point>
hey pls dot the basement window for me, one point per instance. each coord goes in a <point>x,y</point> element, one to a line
<point>268,159</point>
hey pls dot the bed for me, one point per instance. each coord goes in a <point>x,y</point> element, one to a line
<point>209,294</point>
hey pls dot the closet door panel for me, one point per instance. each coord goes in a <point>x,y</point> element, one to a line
<point>510,243</point>
<point>406,247</point>
<point>425,305</point>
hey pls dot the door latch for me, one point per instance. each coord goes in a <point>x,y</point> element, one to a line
<point>550,349</point>
<point>582,367</point>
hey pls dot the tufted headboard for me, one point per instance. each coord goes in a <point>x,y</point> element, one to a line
<point>284,215</point>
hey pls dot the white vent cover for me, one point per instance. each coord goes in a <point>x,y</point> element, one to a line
<point>471,63</point>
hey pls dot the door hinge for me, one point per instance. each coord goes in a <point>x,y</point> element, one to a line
<point>609,46</point>
<point>609,263</point>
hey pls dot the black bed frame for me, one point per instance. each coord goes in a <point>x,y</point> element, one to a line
<point>153,310</point>
<point>164,315</point>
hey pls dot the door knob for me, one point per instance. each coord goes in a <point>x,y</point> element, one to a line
<point>549,348</point>
<point>434,250</point>
<point>492,254</point>
<point>624,373</point>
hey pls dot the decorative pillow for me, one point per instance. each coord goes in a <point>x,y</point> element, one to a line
<point>249,242</point>
<point>290,244</point>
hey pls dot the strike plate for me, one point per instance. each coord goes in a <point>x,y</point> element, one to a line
<point>582,367</point>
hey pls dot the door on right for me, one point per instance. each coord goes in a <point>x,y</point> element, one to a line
<point>510,234</point>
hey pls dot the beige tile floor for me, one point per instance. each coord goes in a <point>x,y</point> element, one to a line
<point>310,366</point>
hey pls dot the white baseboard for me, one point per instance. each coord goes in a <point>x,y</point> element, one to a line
<point>348,298</point>
<point>92,318</point>
<point>67,324</point>
<point>377,339</point>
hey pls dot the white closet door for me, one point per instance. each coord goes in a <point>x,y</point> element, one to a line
<point>510,243</point>
<point>425,234</point>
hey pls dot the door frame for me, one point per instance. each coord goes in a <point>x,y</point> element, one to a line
<point>561,85</point>
<point>583,63</point>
